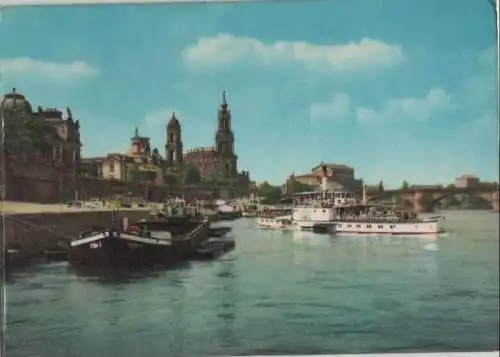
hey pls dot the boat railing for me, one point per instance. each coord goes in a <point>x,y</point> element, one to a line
<point>196,230</point>
<point>382,219</point>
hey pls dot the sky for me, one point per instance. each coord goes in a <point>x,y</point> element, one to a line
<point>397,89</point>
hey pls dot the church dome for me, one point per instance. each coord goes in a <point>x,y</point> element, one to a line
<point>173,122</point>
<point>15,102</point>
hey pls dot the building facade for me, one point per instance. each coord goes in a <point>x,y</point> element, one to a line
<point>340,177</point>
<point>214,163</point>
<point>466,181</point>
<point>138,164</point>
<point>42,134</point>
<point>40,146</point>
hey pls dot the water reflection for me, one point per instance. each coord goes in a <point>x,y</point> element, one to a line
<point>311,239</point>
<point>227,298</point>
<point>414,240</point>
<point>121,275</point>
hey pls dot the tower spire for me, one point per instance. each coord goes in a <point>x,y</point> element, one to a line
<point>136,132</point>
<point>224,102</point>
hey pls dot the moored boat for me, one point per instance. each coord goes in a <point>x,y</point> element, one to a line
<point>149,242</point>
<point>280,222</point>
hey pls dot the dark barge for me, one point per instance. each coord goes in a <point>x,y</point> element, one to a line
<point>147,243</point>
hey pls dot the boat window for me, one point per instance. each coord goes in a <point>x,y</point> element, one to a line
<point>349,225</point>
<point>392,226</point>
<point>324,210</point>
<point>358,225</point>
<point>340,226</point>
<point>369,226</point>
<point>380,226</point>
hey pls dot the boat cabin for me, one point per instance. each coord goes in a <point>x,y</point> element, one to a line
<point>325,198</point>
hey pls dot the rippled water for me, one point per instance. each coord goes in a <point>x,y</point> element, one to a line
<point>277,293</point>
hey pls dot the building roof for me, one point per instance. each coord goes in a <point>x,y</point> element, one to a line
<point>173,122</point>
<point>332,166</point>
<point>15,102</point>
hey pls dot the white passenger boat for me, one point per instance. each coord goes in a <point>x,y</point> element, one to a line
<point>280,223</point>
<point>340,213</point>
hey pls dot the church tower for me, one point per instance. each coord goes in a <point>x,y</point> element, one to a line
<point>224,141</point>
<point>224,138</point>
<point>173,146</point>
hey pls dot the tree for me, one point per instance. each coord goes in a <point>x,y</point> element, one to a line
<point>170,179</point>
<point>405,185</point>
<point>269,193</point>
<point>488,185</point>
<point>381,186</point>
<point>23,134</point>
<point>300,187</point>
<point>191,176</point>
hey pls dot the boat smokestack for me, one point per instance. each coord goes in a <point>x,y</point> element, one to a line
<point>324,177</point>
<point>364,194</point>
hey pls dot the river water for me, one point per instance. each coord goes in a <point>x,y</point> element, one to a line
<point>277,293</point>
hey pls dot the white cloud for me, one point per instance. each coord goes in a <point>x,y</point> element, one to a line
<point>56,71</point>
<point>337,108</point>
<point>224,48</point>
<point>481,89</point>
<point>434,103</point>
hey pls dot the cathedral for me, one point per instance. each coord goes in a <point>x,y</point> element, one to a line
<point>217,163</point>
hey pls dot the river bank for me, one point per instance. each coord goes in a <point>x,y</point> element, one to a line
<point>31,228</point>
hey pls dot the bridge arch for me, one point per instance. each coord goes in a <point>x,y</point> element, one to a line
<point>488,197</point>
<point>405,197</point>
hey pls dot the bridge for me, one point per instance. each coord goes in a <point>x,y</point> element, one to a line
<point>424,199</point>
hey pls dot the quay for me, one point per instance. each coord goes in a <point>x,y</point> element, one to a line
<point>32,228</point>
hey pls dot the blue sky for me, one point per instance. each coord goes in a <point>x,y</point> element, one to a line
<point>397,89</point>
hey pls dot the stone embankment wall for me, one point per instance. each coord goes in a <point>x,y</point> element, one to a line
<point>32,233</point>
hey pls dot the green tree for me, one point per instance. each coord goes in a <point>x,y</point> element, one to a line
<point>405,185</point>
<point>191,176</point>
<point>270,194</point>
<point>170,179</point>
<point>381,186</point>
<point>488,185</point>
<point>300,187</point>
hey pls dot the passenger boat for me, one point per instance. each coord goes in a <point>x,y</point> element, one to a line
<point>338,212</point>
<point>271,212</point>
<point>280,222</point>
<point>149,242</point>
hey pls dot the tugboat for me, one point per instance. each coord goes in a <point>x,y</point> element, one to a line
<point>158,241</point>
